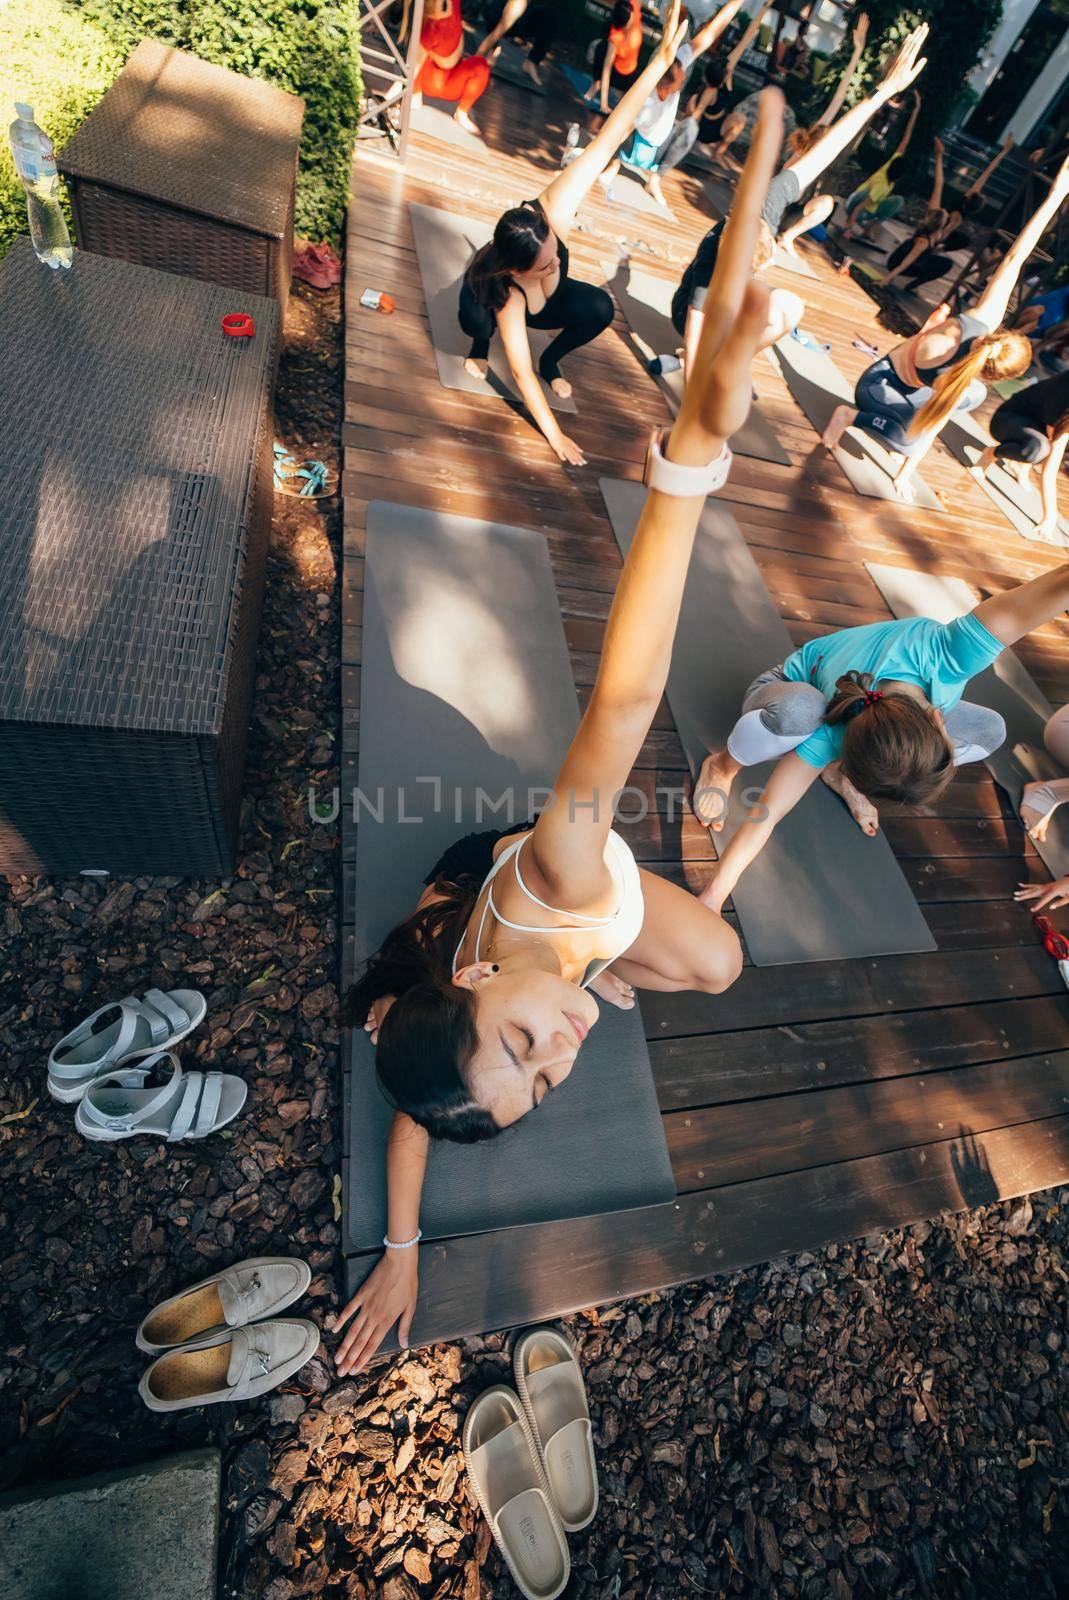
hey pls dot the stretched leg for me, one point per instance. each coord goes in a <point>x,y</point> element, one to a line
<point>586,311</point>
<point>541,30</point>
<point>682,945</point>
<point>777,715</point>
<point>477,321</point>
<point>504,17</point>
<point>815,211</point>
<point>859,805</point>
<point>678,145</point>
<point>730,128</point>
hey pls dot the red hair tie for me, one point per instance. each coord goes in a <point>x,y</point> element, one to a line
<point>872,695</point>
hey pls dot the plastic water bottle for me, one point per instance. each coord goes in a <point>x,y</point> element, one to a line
<point>35,162</point>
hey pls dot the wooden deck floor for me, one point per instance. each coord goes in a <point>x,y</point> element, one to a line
<point>809,1103</point>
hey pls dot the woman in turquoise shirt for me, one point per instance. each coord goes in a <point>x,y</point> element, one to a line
<point>876,711</point>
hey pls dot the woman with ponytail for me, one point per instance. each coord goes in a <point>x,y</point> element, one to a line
<point>876,711</point>
<point>906,397</point>
<point>479,1003</point>
<point>520,279</point>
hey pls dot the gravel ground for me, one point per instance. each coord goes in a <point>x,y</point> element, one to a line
<point>883,1418</point>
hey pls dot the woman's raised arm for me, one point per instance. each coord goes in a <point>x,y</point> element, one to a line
<point>746,40</point>
<point>993,303</point>
<point>569,839</point>
<point>562,197</point>
<point>904,69</point>
<point>835,104</point>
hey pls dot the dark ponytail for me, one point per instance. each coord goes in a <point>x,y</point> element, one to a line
<point>429,1034</point>
<point>893,749</point>
<point>518,237</point>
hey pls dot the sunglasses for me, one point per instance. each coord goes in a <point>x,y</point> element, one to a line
<point>1054,943</point>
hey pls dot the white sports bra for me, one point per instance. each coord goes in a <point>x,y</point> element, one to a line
<point>621,928</point>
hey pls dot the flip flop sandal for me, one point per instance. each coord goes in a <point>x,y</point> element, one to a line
<point>234,1365</point>
<point>247,1292</point>
<point>508,1480</point>
<point>807,340</point>
<point>288,470</point>
<point>191,1105</point>
<point>123,1030</point>
<point>550,1383</point>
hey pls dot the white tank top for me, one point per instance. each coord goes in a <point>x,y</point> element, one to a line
<point>620,929</point>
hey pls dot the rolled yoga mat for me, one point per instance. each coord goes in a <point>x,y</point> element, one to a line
<point>820,890</point>
<point>965,439</point>
<point>646,302</point>
<point>818,386</point>
<point>467,691</point>
<point>1006,687</point>
<point>445,243</point>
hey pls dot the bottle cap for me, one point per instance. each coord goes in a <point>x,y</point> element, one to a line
<point>24,110</point>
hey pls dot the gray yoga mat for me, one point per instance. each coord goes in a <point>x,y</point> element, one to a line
<point>646,303</point>
<point>436,118</point>
<point>965,439</point>
<point>467,691</point>
<point>628,188</point>
<point>788,263</point>
<point>818,386</point>
<point>1006,687</point>
<point>820,890</point>
<point>445,243</point>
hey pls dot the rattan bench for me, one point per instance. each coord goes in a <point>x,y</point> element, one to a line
<point>135,509</point>
<point>190,168</point>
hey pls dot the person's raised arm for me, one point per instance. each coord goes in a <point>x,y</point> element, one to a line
<point>904,69</point>
<point>993,303</point>
<point>714,28</point>
<point>512,326</point>
<point>606,77</point>
<point>791,778</point>
<point>835,104</point>
<point>911,122</point>
<point>978,185</point>
<point>389,1292</point>
<point>743,43</point>
<point>569,839</point>
<point>562,197</point>
<point>1009,616</point>
<point>935,197</point>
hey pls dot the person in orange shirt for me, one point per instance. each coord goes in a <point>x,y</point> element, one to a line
<point>616,57</point>
<point>444,72</point>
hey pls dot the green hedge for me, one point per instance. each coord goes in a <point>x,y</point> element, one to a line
<point>60,63</point>
<point>62,57</point>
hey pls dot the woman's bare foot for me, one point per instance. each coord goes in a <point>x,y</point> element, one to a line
<point>838,422</point>
<point>476,369</point>
<point>903,488</point>
<point>654,190</point>
<point>859,805</point>
<point>709,797</point>
<point>561,387</point>
<point>532,72</point>
<point>462,120</point>
<point>607,986</point>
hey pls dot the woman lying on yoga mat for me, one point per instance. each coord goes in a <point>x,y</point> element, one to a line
<point>906,397</point>
<point>1030,428</point>
<point>784,191</point>
<point>876,711</point>
<point>444,72</point>
<point>481,1001</point>
<point>520,279</point>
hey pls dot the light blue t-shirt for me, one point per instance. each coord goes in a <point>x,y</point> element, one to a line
<point>939,656</point>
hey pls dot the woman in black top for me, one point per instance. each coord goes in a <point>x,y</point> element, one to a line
<point>785,190</point>
<point>1031,427</point>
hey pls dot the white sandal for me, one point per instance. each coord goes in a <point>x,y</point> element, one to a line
<point>138,1026</point>
<point>191,1105</point>
<point>550,1383</point>
<point>506,1474</point>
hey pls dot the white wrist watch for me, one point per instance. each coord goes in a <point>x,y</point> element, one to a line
<point>684,483</point>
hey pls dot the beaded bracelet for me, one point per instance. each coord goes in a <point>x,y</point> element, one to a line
<point>405,1244</point>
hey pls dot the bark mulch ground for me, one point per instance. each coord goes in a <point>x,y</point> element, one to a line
<point>885,1418</point>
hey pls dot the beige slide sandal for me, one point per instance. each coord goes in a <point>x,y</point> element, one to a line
<point>507,1477</point>
<point>550,1382</point>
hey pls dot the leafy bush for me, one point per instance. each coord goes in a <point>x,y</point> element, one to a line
<point>58,62</point>
<point>63,58</point>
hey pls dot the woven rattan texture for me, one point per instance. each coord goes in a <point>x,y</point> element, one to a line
<point>175,129</point>
<point>134,522</point>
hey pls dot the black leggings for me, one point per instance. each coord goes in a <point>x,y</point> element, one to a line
<point>538,26</point>
<point>928,266</point>
<point>580,310</point>
<point>1017,436</point>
